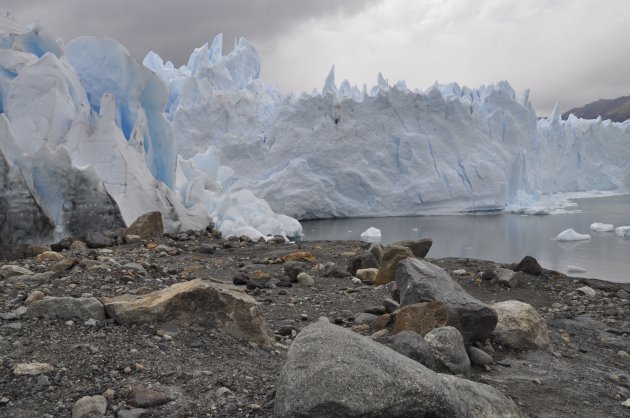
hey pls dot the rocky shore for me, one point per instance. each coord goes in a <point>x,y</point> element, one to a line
<point>193,325</point>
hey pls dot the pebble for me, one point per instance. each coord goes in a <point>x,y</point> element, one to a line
<point>587,291</point>
<point>626,403</point>
<point>90,407</point>
<point>141,397</point>
<point>623,354</point>
<point>223,392</point>
<point>33,297</point>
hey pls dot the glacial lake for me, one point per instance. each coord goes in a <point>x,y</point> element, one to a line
<point>507,238</point>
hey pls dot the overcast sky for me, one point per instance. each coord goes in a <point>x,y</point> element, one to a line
<point>570,51</point>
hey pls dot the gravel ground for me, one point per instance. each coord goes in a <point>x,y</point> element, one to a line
<point>207,372</point>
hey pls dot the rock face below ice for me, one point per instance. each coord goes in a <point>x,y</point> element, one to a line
<point>571,235</point>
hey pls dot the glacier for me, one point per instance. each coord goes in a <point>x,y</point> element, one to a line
<point>85,144</point>
<point>387,150</point>
<point>91,138</point>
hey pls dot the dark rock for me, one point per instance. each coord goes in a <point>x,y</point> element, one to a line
<point>240,279</point>
<point>334,271</point>
<point>529,265</point>
<point>449,351</point>
<point>479,357</point>
<point>488,275</point>
<point>207,249</point>
<point>420,281</point>
<point>360,261</point>
<point>419,248</point>
<point>413,345</point>
<point>375,310</point>
<point>293,268</point>
<point>390,305</point>
<point>333,372</point>
<point>64,244</point>
<point>98,240</point>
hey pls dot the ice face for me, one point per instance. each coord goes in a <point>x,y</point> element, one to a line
<point>394,151</point>
<point>85,143</point>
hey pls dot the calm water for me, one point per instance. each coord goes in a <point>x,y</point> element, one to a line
<point>507,237</point>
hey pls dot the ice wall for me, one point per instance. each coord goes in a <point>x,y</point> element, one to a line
<point>85,144</point>
<point>387,150</point>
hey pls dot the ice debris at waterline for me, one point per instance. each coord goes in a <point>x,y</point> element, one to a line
<point>89,138</point>
<point>599,227</point>
<point>622,231</point>
<point>575,269</point>
<point>571,235</point>
<point>371,235</point>
<point>85,144</point>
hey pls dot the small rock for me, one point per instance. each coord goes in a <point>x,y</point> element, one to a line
<point>109,394</point>
<point>529,265</point>
<point>49,256</point>
<point>367,274</point>
<point>365,318</point>
<point>479,357</point>
<point>363,261</point>
<point>299,256</point>
<point>90,407</point>
<point>520,326</point>
<point>488,275</point>
<point>67,308</point>
<point>42,380</point>
<point>223,392</point>
<point>392,255</point>
<point>305,279</point>
<point>132,413</point>
<point>623,354</point>
<point>78,246</point>
<point>459,272</point>
<point>587,291</point>
<point>207,249</point>
<point>33,297</point>
<point>97,239</point>
<point>375,310</point>
<point>390,305</point>
<point>508,278</point>
<point>293,268</point>
<point>141,397</point>
<point>626,403</point>
<point>132,239</point>
<point>240,279</point>
<point>65,264</point>
<point>32,369</point>
<point>10,270</point>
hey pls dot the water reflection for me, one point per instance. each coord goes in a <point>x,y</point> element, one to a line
<point>507,238</point>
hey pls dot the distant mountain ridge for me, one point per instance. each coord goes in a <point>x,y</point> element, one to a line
<point>616,110</point>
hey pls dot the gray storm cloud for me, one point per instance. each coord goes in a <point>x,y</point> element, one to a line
<point>567,51</point>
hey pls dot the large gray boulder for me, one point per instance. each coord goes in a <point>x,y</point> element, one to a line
<point>420,281</point>
<point>334,372</point>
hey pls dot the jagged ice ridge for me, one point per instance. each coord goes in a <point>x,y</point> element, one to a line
<point>89,137</point>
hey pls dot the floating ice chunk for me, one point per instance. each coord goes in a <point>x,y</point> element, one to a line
<point>571,235</point>
<point>371,235</point>
<point>575,269</point>
<point>623,231</point>
<point>598,227</point>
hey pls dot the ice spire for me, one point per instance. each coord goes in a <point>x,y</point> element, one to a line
<point>329,84</point>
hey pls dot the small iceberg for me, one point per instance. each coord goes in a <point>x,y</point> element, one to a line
<point>622,231</point>
<point>575,269</point>
<point>598,227</point>
<point>571,235</point>
<point>371,235</point>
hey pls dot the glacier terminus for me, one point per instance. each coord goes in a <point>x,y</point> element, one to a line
<point>91,138</point>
